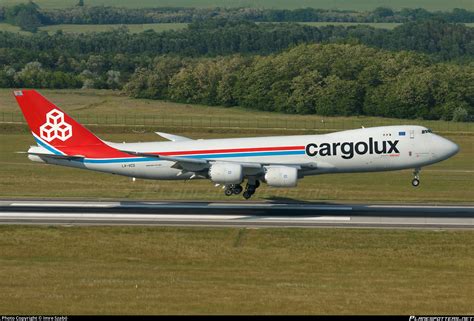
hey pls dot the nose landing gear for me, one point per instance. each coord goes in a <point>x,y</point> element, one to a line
<point>416,181</point>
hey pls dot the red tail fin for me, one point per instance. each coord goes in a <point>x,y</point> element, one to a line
<point>57,131</point>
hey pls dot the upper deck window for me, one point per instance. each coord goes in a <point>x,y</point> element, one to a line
<point>425,131</point>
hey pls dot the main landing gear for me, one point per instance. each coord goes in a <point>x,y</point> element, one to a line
<point>235,189</point>
<point>250,189</point>
<point>416,181</point>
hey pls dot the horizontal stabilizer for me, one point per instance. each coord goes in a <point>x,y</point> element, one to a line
<point>65,157</point>
<point>173,138</point>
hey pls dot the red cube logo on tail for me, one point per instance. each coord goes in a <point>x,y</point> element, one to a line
<point>55,127</point>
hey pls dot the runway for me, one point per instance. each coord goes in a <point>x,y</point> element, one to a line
<point>238,214</point>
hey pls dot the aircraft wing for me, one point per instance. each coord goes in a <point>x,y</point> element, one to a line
<point>188,164</point>
<point>173,138</point>
<point>201,165</point>
<point>191,164</point>
<point>65,157</point>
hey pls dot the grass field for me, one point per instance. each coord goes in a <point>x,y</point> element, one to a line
<point>130,270</point>
<point>351,24</point>
<point>11,28</point>
<point>449,181</point>
<point>278,4</point>
<point>110,107</point>
<point>135,28</point>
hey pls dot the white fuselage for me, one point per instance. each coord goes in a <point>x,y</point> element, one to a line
<point>358,150</point>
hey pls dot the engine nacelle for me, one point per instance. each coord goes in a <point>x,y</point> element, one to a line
<point>281,176</point>
<point>226,173</point>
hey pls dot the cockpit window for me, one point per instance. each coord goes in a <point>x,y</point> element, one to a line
<point>425,131</point>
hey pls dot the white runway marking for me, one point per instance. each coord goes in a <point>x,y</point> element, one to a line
<point>421,206</point>
<point>123,216</point>
<point>168,217</point>
<point>85,204</point>
<point>183,206</point>
<point>312,218</point>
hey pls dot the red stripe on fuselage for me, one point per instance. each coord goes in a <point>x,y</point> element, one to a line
<point>106,151</point>
<point>232,150</point>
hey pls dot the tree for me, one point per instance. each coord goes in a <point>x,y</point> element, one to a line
<point>25,15</point>
<point>339,97</point>
<point>305,91</point>
<point>113,79</point>
<point>460,114</point>
<point>32,75</point>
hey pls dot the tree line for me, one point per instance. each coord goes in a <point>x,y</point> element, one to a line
<point>324,79</point>
<point>29,16</point>
<point>442,40</point>
<point>240,63</point>
<point>331,79</point>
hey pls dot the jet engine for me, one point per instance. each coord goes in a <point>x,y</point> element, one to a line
<point>281,176</point>
<point>226,173</point>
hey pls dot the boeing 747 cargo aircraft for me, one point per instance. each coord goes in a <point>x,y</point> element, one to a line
<point>277,161</point>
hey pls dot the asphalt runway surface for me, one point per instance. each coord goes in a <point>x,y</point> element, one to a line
<point>238,214</point>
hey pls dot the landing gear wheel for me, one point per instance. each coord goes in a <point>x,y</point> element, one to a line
<point>416,180</point>
<point>237,189</point>
<point>247,195</point>
<point>257,184</point>
<point>249,191</point>
<point>228,192</point>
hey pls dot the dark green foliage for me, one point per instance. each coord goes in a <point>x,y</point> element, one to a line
<point>333,80</point>
<point>220,37</point>
<point>81,14</point>
<point>447,40</point>
<point>25,15</point>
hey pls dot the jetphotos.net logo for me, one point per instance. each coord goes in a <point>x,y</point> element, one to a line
<point>55,127</point>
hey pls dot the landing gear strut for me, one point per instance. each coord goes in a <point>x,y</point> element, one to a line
<point>416,181</point>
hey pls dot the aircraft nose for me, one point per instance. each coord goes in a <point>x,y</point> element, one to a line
<point>446,148</point>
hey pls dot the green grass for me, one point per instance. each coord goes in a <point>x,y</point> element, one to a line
<point>351,24</point>
<point>135,28</point>
<point>11,28</point>
<point>110,107</point>
<point>158,27</point>
<point>278,4</point>
<point>138,270</point>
